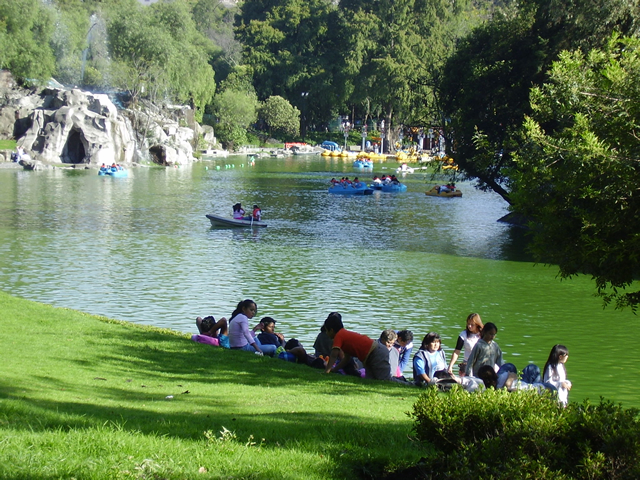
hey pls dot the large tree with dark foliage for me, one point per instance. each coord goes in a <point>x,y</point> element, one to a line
<point>577,173</point>
<point>485,85</point>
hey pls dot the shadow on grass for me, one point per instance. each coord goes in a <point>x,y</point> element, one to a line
<point>162,357</point>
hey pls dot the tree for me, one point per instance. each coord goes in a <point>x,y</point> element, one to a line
<point>485,84</point>
<point>159,53</point>
<point>280,115</point>
<point>396,49</point>
<point>576,175</point>
<point>26,28</point>
<point>235,107</point>
<point>292,46</point>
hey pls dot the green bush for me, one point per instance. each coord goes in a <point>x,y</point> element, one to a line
<point>501,434</point>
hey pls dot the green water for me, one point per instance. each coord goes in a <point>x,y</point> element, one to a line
<point>140,249</point>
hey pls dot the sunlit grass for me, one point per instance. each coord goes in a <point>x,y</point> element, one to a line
<point>87,397</point>
<point>7,144</point>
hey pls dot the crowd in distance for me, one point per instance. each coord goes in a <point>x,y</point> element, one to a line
<point>338,350</point>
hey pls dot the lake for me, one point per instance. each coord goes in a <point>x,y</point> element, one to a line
<point>140,249</point>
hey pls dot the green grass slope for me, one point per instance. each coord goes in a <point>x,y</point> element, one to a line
<point>86,397</point>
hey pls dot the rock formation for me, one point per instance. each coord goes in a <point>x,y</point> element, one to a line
<point>70,126</point>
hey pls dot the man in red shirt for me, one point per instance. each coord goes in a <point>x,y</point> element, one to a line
<point>373,355</point>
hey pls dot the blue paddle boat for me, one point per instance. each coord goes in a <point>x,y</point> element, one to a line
<point>116,172</point>
<point>363,164</point>
<point>394,188</point>
<point>358,188</point>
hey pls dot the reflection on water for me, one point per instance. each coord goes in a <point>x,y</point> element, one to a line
<point>141,249</point>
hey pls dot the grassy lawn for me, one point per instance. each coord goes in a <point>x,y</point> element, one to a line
<point>90,398</point>
<point>7,144</point>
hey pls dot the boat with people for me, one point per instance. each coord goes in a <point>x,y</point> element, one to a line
<point>116,171</point>
<point>443,191</point>
<point>393,188</point>
<point>220,221</point>
<point>362,163</point>
<point>404,169</point>
<point>355,188</point>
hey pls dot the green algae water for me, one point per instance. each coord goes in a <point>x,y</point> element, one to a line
<point>140,249</point>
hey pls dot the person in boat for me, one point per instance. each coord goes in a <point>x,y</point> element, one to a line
<point>394,180</point>
<point>238,211</point>
<point>240,337</point>
<point>466,340</point>
<point>376,180</point>
<point>114,167</point>
<point>209,327</point>
<point>269,335</point>
<point>334,181</point>
<point>373,355</point>
<point>356,183</point>
<point>103,168</point>
<point>257,213</point>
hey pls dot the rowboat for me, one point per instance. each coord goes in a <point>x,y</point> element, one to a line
<point>218,221</point>
<point>435,192</point>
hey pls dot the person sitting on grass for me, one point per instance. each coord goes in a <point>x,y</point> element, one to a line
<point>268,335</point>
<point>429,360</point>
<point>208,327</point>
<point>240,338</point>
<point>295,352</point>
<point>485,352</point>
<point>404,345</point>
<point>373,355</point>
<point>323,344</point>
<point>388,338</point>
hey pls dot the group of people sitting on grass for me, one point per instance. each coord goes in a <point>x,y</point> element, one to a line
<point>343,351</point>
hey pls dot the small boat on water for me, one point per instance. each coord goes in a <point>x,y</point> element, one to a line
<point>394,187</point>
<point>219,221</point>
<point>359,188</point>
<point>437,192</point>
<point>117,172</point>
<point>363,163</point>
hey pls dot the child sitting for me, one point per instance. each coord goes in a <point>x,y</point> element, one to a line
<point>208,327</point>
<point>268,335</point>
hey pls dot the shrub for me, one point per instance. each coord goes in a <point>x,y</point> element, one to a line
<point>501,434</point>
